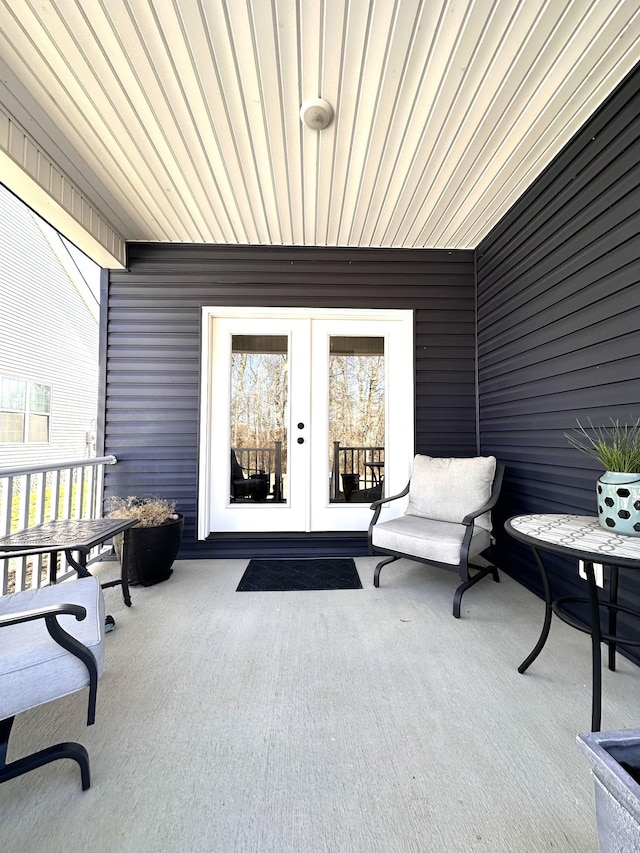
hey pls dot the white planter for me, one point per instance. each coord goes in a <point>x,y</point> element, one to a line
<point>618,496</point>
<point>617,793</point>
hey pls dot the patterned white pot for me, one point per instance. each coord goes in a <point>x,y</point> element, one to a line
<point>618,497</point>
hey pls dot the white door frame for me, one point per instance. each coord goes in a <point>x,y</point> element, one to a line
<point>399,433</point>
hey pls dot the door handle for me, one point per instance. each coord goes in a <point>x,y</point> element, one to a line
<point>301,440</point>
<point>300,425</point>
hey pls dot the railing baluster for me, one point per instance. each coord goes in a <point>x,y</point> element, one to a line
<point>21,521</point>
<point>96,511</point>
<point>91,492</point>
<point>356,460</point>
<point>81,493</point>
<point>54,502</point>
<point>6,502</point>
<point>68,493</point>
<point>41,497</point>
<point>6,494</point>
<point>36,515</point>
<point>32,494</point>
<point>23,502</point>
<point>277,485</point>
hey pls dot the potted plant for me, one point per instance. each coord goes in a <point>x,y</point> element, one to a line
<point>153,542</point>
<point>617,449</point>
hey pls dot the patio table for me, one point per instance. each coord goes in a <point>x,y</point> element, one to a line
<point>70,535</point>
<point>582,537</point>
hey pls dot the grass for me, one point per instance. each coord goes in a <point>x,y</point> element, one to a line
<point>35,517</point>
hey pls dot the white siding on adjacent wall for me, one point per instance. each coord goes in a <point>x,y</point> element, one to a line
<point>48,333</point>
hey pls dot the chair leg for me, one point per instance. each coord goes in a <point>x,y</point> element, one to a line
<point>376,574</point>
<point>75,751</point>
<point>472,580</point>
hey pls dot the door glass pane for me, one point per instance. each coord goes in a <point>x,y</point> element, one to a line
<point>356,419</point>
<point>259,386</point>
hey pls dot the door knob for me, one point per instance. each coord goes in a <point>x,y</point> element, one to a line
<point>300,425</point>
<point>301,440</point>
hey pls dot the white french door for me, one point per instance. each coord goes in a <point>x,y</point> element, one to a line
<point>307,416</point>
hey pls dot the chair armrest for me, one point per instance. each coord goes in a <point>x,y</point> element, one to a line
<point>485,508</point>
<point>468,520</point>
<point>377,504</point>
<point>68,642</point>
<point>76,610</point>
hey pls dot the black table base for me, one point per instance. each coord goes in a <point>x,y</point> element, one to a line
<point>581,537</point>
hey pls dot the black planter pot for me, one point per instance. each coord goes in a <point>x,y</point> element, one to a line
<point>151,552</point>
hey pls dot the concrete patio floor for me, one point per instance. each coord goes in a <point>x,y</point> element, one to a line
<point>293,722</point>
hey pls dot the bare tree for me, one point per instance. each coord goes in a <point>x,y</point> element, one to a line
<point>356,411</point>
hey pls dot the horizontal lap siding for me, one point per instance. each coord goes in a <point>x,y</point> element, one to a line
<point>559,326</point>
<point>48,335</point>
<point>153,354</point>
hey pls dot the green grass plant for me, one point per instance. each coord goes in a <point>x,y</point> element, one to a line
<point>616,447</point>
<point>48,499</point>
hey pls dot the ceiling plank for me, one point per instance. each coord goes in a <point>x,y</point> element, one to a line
<point>178,120</point>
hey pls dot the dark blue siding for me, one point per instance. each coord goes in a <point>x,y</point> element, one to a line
<point>153,356</point>
<point>559,324</point>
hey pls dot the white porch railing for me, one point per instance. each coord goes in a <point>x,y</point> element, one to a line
<point>32,494</point>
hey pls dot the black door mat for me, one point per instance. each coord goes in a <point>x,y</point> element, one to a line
<point>291,575</point>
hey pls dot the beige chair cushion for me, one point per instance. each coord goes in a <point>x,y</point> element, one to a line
<point>33,668</point>
<point>431,540</point>
<point>449,489</point>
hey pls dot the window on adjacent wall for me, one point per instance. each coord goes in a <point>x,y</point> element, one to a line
<point>25,411</point>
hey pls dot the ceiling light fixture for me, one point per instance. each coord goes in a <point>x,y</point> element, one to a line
<point>316,113</point>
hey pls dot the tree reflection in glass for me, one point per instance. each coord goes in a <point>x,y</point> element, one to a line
<point>356,419</point>
<point>258,428</point>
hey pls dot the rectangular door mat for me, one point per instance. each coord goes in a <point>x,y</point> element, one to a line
<point>284,575</point>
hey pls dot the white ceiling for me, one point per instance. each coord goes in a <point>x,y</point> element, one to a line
<point>178,120</point>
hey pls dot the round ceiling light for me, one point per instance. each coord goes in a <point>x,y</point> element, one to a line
<point>316,113</point>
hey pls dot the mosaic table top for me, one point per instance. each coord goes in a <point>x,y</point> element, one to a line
<point>579,535</point>
<point>66,533</point>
